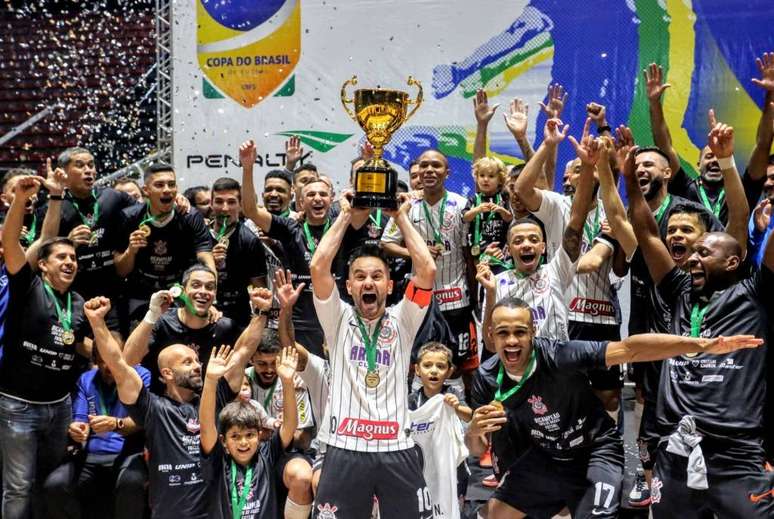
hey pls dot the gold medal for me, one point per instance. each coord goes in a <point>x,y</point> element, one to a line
<point>475,250</point>
<point>499,405</point>
<point>372,379</point>
<point>68,337</point>
<point>93,239</point>
<point>175,291</point>
<point>145,229</point>
<point>223,242</point>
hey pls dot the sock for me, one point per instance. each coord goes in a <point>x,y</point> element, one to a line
<point>296,511</point>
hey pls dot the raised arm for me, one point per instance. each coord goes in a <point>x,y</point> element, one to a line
<point>588,152</point>
<point>13,252</point>
<point>220,360</point>
<point>611,201</point>
<point>421,258</point>
<point>323,281</point>
<point>250,207</point>
<point>286,368</point>
<point>553,108</point>
<point>486,279</point>
<point>721,142</point>
<point>657,257</point>
<point>649,347</point>
<point>136,346</point>
<point>128,381</point>
<point>759,160</point>
<point>287,297</point>
<point>250,338</point>
<point>483,113</point>
<point>526,187</point>
<point>655,88</point>
<point>55,183</point>
<point>517,121</point>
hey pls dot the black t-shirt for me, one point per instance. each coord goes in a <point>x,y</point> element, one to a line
<point>96,273</point>
<point>262,499</point>
<point>36,365</point>
<point>682,185</point>
<point>171,249</point>
<point>290,233</point>
<point>177,487</point>
<point>169,329</point>
<point>724,393</point>
<point>245,259</point>
<point>555,410</point>
<point>494,230</point>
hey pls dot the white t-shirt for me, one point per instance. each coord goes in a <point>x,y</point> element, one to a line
<point>544,291</point>
<point>451,284</point>
<point>592,297</point>
<point>357,417</point>
<point>438,431</point>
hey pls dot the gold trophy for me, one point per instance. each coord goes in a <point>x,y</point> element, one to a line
<point>380,113</point>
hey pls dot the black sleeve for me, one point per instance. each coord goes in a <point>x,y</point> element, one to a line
<point>19,285</point>
<point>273,449</point>
<point>752,189</point>
<point>578,355</point>
<point>200,236</point>
<point>256,258</point>
<point>764,279</point>
<point>212,463</point>
<point>124,199</point>
<point>481,392</point>
<point>678,184</point>
<point>672,286</point>
<point>280,228</point>
<point>125,228</point>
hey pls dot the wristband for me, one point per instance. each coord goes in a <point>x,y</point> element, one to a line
<point>257,312</point>
<point>151,317</point>
<point>605,128</point>
<point>727,162</point>
<point>55,197</point>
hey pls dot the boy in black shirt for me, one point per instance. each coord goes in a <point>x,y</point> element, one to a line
<point>570,452</point>
<point>159,241</point>
<point>240,473</point>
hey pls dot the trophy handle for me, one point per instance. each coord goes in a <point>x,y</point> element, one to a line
<point>344,100</point>
<point>418,101</point>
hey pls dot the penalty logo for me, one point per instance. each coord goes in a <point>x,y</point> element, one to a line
<point>247,49</point>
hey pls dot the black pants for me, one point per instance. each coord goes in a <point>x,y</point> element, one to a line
<point>98,488</point>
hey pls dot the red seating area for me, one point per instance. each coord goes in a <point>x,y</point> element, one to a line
<point>88,63</point>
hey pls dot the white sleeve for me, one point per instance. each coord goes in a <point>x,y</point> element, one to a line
<point>330,312</point>
<point>409,317</point>
<point>563,268</point>
<point>554,213</point>
<point>392,233</point>
<point>316,384</point>
<point>304,407</point>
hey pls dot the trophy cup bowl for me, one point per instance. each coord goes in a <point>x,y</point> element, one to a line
<point>379,112</point>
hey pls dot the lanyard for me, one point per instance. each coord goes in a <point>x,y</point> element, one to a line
<point>501,375</point>
<point>183,297</point>
<point>715,208</point>
<point>94,211</point>
<point>370,341</point>
<point>267,398</point>
<point>239,499</point>
<point>285,213</point>
<point>378,220</point>
<point>491,260</point>
<point>105,402</point>
<point>309,239</point>
<point>659,214</point>
<point>65,317</point>
<point>436,230</point>
<point>29,236</point>
<point>697,318</point>
<point>149,218</point>
<point>591,231</point>
<point>490,217</point>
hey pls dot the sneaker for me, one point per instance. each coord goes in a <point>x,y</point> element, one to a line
<point>486,459</point>
<point>639,496</point>
<point>490,481</point>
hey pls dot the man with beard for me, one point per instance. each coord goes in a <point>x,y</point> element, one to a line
<point>190,324</point>
<point>171,420</point>
<point>534,395</point>
<point>159,241</point>
<point>299,239</point>
<point>43,355</point>
<point>366,425</point>
<point>238,253</point>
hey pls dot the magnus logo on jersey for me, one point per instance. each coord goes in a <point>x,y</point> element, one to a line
<point>449,295</point>
<point>367,429</point>
<point>538,407</point>
<point>593,307</point>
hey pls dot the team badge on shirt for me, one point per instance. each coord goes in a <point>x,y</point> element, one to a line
<point>160,248</point>
<point>193,425</point>
<point>538,407</point>
<point>327,511</point>
<point>655,490</point>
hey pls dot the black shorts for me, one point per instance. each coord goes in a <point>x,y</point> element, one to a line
<point>648,437</point>
<point>739,485</point>
<point>350,479</point>
<point>540,486</point>
<point>601,379</point>
<point>463,328</point>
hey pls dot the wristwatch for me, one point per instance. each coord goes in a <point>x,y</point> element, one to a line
<point>55,197</point>
<point>257,312</point>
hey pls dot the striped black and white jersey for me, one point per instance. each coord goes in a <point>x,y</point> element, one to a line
<point>272,398</point>
<point>544,291</point>
<point>357,417</point>
<point>451,285</point>
<point>592,296</point>
<point>316,376</point>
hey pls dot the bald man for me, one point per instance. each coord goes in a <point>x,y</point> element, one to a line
<point>171,421</point>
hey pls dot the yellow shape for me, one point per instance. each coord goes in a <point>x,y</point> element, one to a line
<point>500,83</point>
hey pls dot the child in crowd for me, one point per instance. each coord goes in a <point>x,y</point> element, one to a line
<point>238,467</point>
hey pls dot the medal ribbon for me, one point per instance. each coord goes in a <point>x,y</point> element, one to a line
<point>267,398</point>
<point>490,217</point>
<point>502,397</point>
<point>94,211</point>
<point>659,214</point>
<point>285,213</point>
<point>183,297</point>
<point>65,317</point>
<point>717,206</point>
<point>223,228</point>
<point>697,317</point>
<point>29,236</point>
<point>370,341</point>
<point>310,239</point>
<point>239,499</point>
<point>436,230</point>
<point>149,218</point>
<point>591,231</point>
<point>377,221</point>
<point>491,260</point>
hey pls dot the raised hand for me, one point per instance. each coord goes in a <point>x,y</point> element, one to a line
<point>596,112</point>
<point>552,135</point>
<point>56,179</point>
<point>182,203</point>
<point>516,119</point>
<point>96,308</point>
<point>721,140</point>
<point>624,141</point>
<point>766,66</point>
<point>588,147</point>
<point>494,250</point>
<point>654,85</point>
<point>219,362</point>
<point>762,215</point>
<point>260,297</point>
<point>283,286</point>
<point>366,150</point>
<point>247,154</point>
<point>629,168</point>
<point>27,187</point>
<point>485,277</point>
<point>481,108</point>
<point>287,362</point>
<point>293,152</point>
<point>557,97</point>
<point>721,345</point>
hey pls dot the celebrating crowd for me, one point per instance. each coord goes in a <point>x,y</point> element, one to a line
<point>218,356</point>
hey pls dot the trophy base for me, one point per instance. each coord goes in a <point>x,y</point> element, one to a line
<point>376,185</point>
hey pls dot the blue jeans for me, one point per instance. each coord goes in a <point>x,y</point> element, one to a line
<point>33,439</point>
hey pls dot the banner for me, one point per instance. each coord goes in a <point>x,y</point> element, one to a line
<point>272,69</point>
